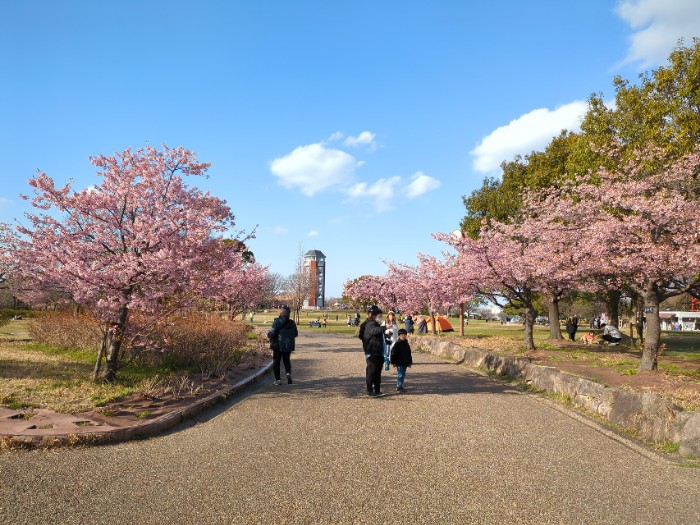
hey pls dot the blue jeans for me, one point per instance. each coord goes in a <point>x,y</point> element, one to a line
<point>401,375</point>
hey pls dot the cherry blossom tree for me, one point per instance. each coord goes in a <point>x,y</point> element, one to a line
<point>141,239</point>
<point>638,223</point>
<point>499,266</point>
<point>367,290</point>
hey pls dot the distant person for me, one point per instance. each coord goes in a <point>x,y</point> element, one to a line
<point>408,324</point>
<point>422,325</point>
<point>571,328</point>
<point>401,359</point>
<point>282,337</point>
<point>325,322</point>
<point>612,335</point>
<point>373,345</point>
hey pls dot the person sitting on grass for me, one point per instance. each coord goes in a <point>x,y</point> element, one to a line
<point>611,335</point>
<point>401,358</point>
<point>590,339</point>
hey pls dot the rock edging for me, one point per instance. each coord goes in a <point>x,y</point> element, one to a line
<point>651,417</point>
<point>142,430</point>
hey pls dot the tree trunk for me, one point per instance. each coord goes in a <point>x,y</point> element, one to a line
<point>554,328</point>
<point>100,355</point>
<point>651,344</point>
<point>115,344</point>
<point>432,319</point>
<point>530,316</point>
<point>612,303</point>
<point>461,319</point>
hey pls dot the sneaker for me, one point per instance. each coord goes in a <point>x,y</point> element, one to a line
<point>400,389</point>
<point>277,382</point>
<point>379,394</point>
<point>370,394</point>
<point>289,379</point>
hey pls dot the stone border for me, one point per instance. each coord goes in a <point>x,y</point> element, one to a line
<point>141,430</point>
<point>649,416</point>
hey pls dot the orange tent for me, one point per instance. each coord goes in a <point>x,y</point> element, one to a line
<point>443,325</point>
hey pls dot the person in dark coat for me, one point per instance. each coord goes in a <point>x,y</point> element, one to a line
<point>373,345</point>
<point>571,328</point>
<point>408,323</point>
<point>282,338</point>
<point>401,358</point>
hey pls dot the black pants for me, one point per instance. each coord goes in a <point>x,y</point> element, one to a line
<point>375,363</point>
<point>283,356</point>
<point>611,339</point>
<point>572,336</point>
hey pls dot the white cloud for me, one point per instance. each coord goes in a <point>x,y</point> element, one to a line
<point>312,233</point>
<point>657,25</point>
<point>531,131</point>
<point>421,184</point>
<point>366,138</point>
<point>281,230</point>
<point>314,168</point>
<point>335,136</point>
<point>381,194</point>
<point>4,201</point>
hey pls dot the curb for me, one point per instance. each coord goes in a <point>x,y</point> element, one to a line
<point>139,431</point>
<point>649,416</point>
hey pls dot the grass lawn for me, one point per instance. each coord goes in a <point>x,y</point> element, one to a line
<point>41,376</point>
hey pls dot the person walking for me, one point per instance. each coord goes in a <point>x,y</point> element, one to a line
<point>373,344</point>
<point>282,337</point>
<point>401,358</point>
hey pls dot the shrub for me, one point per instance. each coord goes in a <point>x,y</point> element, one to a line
<point>66,330</point>
<point>211,345</point>
<point>207,345</point>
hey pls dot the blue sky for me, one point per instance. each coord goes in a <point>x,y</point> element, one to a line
<point>351,127</point>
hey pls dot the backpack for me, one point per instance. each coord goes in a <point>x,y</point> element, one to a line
<point>361,335</point>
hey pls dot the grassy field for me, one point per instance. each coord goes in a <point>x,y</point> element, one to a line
<point>684,345</point>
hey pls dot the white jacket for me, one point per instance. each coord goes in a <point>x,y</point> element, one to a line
<point>393,338</point>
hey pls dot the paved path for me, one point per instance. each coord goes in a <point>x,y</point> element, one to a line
<point>456,448</point>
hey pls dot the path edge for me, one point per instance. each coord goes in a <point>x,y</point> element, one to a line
<point>649,416</point>
<point>140,431</point>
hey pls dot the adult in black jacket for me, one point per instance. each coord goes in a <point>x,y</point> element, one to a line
<point>373,343</point>
<point>282,335</point>
<point>572,327</point>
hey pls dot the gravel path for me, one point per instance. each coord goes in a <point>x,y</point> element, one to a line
<point>455,448</point>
